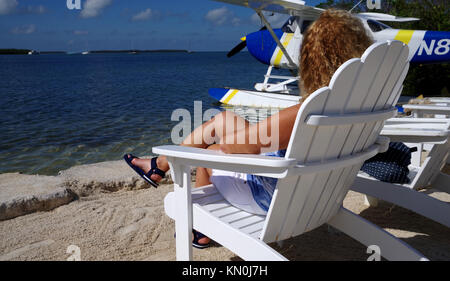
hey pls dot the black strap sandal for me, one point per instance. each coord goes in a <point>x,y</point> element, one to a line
<point>197,236</point>
<point>146,176</point>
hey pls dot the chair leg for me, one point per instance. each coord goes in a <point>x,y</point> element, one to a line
<point>183,212</point>
<point>416,157</point>
<point>405,197</point>
<point>369,234</point>
<point>442,182</point>
<point>243,245</point>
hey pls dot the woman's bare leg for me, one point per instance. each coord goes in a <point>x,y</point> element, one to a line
<point>203,174</point>
<point>202,177</point>
<point>203,136</point>
<point>215,129</point>
<point>235,135</point>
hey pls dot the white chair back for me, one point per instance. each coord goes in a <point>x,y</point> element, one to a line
<point>335,132</point>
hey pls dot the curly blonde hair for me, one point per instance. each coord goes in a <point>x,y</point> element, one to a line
<point>335,37</point>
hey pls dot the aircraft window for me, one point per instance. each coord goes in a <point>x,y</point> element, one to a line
<point>289,26</point>
<point>305,25</point>
<point>376,26</point>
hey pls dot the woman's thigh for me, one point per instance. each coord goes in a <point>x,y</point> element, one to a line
<point>216,129</point>
<point>228,123</point>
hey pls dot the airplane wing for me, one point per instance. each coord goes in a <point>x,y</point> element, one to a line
<point>385,17</point>
<point>290,7</point>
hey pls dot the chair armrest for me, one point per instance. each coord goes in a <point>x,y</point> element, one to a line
<point>416,120</point>
<point>432,130</point>
<point>351,118</point>
<point>379,146</point>
<point>429,107</point>
<point>246,163</point>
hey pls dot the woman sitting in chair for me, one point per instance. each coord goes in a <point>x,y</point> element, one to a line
<point>335,37</point>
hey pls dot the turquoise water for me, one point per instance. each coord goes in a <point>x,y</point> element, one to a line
<point>57,111</point>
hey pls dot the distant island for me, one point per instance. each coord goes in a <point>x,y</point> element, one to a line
<point>28,51</point>
<point>140,51</point>
<point>14,51</point>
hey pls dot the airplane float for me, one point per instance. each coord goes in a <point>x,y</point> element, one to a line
<point>280,48</point>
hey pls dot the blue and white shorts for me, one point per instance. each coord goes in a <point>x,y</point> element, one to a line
<point>245,191</point>
<point>234,188</point>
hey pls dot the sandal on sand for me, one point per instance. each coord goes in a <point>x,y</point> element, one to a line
<point>146,176</point>
<point>197,236</point>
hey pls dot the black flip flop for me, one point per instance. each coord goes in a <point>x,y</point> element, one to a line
<point>146,176</point>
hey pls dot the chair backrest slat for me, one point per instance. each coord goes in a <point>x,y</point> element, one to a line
<point>370,84</point>
<point>399,65</point>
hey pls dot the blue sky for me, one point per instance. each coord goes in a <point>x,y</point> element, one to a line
<point>200,25</point>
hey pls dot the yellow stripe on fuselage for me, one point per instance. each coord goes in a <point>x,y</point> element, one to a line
<point>404,36</point>
<point>230,96</point>
<point>287,39</point>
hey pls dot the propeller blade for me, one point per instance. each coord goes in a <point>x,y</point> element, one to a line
<point>241,45</point>
<point>237,49</point>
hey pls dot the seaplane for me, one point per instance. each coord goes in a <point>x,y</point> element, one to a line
<point>279,48</point>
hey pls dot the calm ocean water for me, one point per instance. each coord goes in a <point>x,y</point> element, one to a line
<point>60,110</point>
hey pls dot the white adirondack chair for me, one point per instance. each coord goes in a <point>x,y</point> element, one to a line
<point>438,110</point>
<point>445,100</point>
<point>336,130</point>
<point>426,172</point>
<point>438,107</point>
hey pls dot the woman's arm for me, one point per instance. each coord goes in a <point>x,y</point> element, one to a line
<point>271,134</point>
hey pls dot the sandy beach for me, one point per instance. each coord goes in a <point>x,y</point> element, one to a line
<point>116,216</point>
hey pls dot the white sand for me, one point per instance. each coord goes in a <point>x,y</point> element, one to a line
<point>130,224</point>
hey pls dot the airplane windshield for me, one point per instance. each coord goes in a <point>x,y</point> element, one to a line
<point>290,25</point>
<point>376,26</point>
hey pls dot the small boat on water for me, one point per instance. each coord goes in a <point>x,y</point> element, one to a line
<point>33,52</point>
<point>85,53</point>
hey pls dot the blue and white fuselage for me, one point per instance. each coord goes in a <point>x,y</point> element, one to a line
<point>424,46</point>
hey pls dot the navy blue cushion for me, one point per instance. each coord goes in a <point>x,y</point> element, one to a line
<point>390,166</point>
